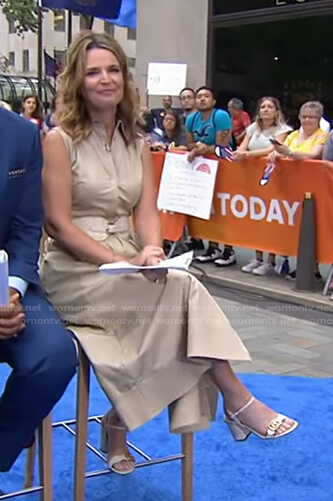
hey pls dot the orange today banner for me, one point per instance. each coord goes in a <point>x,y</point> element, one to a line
<point>266,218</point>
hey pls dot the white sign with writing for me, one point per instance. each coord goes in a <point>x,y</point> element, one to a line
<point>166,78</point>
<point>187,187</point>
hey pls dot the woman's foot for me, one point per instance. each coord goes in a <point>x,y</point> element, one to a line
<point>256,417</point>
<point>114,443</point>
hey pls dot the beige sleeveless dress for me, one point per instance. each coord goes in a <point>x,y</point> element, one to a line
<point>150,344</point>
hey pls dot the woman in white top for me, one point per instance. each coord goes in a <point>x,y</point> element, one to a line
<point>269,124</point>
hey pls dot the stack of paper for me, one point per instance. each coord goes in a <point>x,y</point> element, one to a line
<point>181,262</point>
<point>4,294</point>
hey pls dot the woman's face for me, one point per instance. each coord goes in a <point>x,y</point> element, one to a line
<point>30,105</point>
<point>169,123</point>
<point>309,120</point>
<point>267,110</point>
<point>103,84</point>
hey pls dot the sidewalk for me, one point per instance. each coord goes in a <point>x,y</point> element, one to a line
<point>272,286</point>
<point>280,343</point>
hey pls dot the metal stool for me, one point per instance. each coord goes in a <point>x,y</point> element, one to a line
<point>44,439</point>
<point>186,456</point>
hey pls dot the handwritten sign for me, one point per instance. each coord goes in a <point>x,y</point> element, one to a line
<point>166,78</point>
<point>187,187</point>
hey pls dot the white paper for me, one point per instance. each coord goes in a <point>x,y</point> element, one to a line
<point>4,293</point>
<point>181,262</point>
<point>166,78</point>
<point>187,187</point>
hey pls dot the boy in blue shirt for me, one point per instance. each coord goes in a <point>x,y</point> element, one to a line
<point>206,128</point>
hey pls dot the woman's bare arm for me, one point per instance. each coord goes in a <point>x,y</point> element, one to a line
<point>315,153</point>
<point>244,144</point>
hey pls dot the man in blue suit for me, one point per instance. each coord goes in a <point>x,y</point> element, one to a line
<point>33,342</point>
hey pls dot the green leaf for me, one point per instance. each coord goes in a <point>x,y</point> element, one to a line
<point>23,13</point>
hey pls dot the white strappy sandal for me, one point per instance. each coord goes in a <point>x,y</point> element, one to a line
<point>107,424</point>
<point>241,432</point>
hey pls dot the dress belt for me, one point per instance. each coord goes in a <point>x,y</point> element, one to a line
<point>101,225</point>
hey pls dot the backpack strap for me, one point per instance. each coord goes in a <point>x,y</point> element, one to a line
<point>193,119</point>
<point>214,121</point>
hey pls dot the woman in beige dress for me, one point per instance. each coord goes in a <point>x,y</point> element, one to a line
<point>154,340</point>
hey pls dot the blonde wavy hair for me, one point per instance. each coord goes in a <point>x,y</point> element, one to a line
<point>5,105</point>
<point>73,116</point>
<point>279,118</point>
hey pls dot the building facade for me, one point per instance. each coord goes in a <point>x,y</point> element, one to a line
<point>272,47</point>
<point>173,31</point>
<point>242,48</point>
<point>18,54</point>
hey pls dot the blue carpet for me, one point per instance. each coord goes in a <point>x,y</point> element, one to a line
<point>297,468</point>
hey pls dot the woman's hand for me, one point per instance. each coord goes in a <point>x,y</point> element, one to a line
<point>158,276</point>
<point>282,149</point>
<point>239,156</point>
<point>153,261</point>
<point>149,255</point>
<point>273,156</point>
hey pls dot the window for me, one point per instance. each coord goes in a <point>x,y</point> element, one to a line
<point>109,28</point>
<point>86,22</point>
<point>233,6</point>
<point>131,62</point>
<point>11,26</point>
<point>83,23</point>
<point>131,33</point>
<point>25,61</point>
<point>48,91</point>
<point>60,59</point>
<point>22,86</point>
<point>59,20</point>
<point>11,60</point>
<point>284,74</point>
<point>6,91</point>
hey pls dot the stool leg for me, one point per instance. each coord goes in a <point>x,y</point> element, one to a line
<point>30,465</point>
<point>187,467</point>
<point>45,458</point>
<point>83,380</point>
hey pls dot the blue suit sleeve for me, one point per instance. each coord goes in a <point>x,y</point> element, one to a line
<point>26,226</point>
<point>222,121</point>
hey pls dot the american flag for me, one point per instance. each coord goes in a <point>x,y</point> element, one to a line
<point>59,66</point>
<point>224,152</point>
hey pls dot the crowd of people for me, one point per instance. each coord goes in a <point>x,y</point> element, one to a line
<point>171,344</point>
<point>203,126</point>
